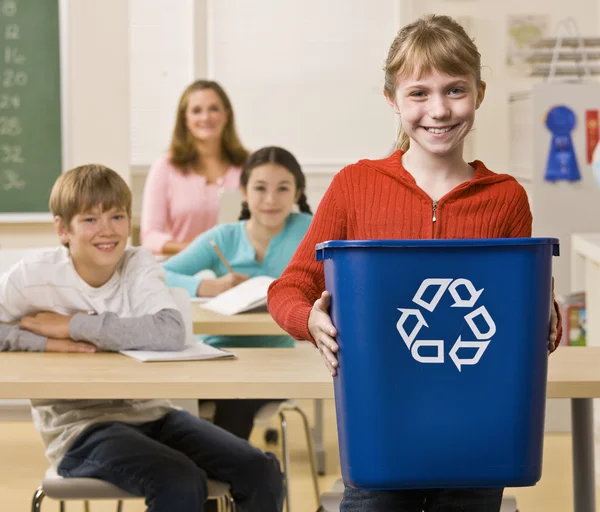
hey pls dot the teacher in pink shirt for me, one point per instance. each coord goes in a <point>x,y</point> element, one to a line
<point>181,195</point>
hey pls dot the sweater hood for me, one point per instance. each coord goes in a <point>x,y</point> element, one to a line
<point>392,166</point>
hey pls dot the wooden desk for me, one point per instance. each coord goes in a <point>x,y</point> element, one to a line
<point>269,373</point>
<point>257,373</point>
<point>208,322</point>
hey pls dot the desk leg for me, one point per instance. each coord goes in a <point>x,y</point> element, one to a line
<point>584,481</point>
<point>318,437</point>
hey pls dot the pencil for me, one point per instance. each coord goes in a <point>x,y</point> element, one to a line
<point>220,255</point>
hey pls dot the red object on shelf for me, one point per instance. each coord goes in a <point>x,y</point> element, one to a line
<point>592,133</point>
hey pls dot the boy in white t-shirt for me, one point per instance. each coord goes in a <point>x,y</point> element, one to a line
<point>95,293</point>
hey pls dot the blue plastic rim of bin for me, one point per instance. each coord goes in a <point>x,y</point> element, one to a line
<point>443,360</point>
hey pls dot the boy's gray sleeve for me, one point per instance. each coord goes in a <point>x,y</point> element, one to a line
<point>164,330</point>
<point>13,339</point>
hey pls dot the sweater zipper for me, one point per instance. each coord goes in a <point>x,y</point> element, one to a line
<point>434,218</point>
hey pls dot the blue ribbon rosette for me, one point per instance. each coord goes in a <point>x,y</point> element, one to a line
<point>562,161</point>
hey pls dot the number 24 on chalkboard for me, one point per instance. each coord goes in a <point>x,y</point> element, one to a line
<point>10,125</point>
<point>9,101</point>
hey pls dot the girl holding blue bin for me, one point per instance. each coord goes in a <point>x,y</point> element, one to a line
<point>424,190</point>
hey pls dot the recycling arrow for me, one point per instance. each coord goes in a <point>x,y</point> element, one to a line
<point>430,306</point>
<point>459,302</point>
<point>479,345</point>
<point>409,338</point>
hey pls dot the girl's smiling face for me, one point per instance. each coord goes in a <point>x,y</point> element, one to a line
<point>437,110</point>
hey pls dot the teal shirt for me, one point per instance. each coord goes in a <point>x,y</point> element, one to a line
<point>233,242</point>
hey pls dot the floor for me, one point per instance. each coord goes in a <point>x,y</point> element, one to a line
<point>22,463</point>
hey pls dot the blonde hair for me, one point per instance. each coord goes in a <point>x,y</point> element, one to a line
<point>183,151</point>
<point>431,42</point>
<point>85,187</point>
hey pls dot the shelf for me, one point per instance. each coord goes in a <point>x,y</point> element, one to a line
<point>572,42</point>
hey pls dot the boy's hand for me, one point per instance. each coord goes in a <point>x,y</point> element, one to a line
<point>553,323</point>
<point>54,345</point>
<point>322,330</point>
<point>51,325</point>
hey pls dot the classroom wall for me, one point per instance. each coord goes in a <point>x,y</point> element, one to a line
<point>151,49</point>
<point>98,112</point>
<point>304,75</point>
<point>488,22</point>
<point>326,105</point>
<point>128,61</point>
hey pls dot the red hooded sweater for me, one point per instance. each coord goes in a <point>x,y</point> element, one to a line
<point>379,199</point>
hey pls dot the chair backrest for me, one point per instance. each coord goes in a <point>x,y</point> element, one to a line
<point>182,301</point>
<point>8,257</point>
<point>230,205</point>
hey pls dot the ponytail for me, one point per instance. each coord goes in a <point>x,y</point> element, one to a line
<point>303,204</point>
<point>245,213</point>
<point>403,141</point>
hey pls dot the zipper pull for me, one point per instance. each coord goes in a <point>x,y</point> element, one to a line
<point>434,210</point>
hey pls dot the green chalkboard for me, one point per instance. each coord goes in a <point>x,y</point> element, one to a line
<point>30,121</point>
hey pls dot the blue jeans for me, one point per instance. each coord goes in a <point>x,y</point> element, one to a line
<point>426,500</point>
<point>169,460</point>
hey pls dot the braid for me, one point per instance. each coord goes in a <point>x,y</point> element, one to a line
<point>245,213</point>
<point>303,204</point>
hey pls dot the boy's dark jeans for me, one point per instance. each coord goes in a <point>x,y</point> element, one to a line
<point>169,460</point>
<point>427,500</point>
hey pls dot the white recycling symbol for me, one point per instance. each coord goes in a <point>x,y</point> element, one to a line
<point>482,339</point>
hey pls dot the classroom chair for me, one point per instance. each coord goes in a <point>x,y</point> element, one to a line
<point>230,205</point>
<point>15,409</point>
<point>265,414</point>
<point>87,489</point>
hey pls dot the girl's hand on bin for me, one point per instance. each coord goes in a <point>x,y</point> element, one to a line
<point>322,330</point>
<point>553,323</point>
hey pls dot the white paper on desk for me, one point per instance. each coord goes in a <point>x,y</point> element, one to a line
<point>200,351</point>
<point>200,300</point>
<point>250,294</point>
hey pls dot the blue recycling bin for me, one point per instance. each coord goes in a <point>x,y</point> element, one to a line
<point>443,360</point>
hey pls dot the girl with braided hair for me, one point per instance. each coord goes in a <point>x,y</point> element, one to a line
<point>261,243</point>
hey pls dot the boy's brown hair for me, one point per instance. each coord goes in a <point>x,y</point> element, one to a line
<point>85,187</point>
